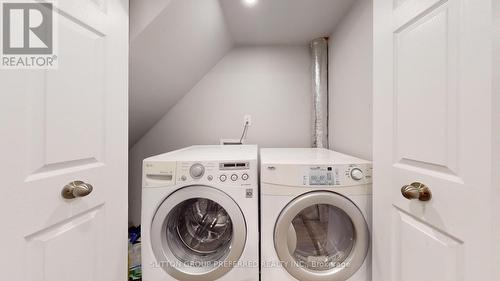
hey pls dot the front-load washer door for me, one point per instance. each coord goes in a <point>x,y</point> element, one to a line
<point>198,233</point>
<point>321,236</point>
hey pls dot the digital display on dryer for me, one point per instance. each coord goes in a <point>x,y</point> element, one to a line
<point>321,176</point>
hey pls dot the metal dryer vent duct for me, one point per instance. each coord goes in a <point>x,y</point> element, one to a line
<point>319,71</point>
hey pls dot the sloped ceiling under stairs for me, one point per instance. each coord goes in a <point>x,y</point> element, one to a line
<point>174,43</point>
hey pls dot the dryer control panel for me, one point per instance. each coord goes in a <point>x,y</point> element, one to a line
<point>336,175</point>
<point>333,175</point>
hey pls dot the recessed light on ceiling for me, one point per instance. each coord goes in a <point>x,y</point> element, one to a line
<point>250,3</point>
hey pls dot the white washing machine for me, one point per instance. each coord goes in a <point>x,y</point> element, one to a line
<point>200,214</point>
<point>315,215</point>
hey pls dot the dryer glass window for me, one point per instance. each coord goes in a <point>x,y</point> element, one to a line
<point>321,237</point>
<point>199,232</point>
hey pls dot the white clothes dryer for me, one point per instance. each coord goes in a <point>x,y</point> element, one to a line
<point>315,215</point>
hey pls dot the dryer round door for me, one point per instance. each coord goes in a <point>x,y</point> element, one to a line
<point>321,236</point>
<point>198,233</point>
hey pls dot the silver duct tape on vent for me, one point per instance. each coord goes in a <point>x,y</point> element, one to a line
<point>319,70</point>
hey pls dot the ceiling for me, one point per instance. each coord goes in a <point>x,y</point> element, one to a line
<point>174,43</point>
<point>282,21</point>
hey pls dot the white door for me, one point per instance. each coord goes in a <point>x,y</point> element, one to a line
<point>62,125</point>
<point>433,125</point>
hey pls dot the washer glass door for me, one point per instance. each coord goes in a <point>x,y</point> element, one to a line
<point>320,236</point>
<point>197,232</point>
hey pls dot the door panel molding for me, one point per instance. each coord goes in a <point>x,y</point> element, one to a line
<point>415,238</point>
<point>426,91</point>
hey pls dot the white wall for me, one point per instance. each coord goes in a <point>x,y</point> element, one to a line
<point>170,55</point>
<point>270,83</point>
<point>350,82</point>
<point>142,13</point>
<point>495,105</point>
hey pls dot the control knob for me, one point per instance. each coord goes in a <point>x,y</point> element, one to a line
<point>196,171</point>
<point>357,174</point>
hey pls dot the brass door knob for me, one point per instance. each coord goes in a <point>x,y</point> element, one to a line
<point>416,190</point>
<point>76,189</point>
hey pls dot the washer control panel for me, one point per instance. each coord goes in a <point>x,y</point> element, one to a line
<point>230,173</point>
